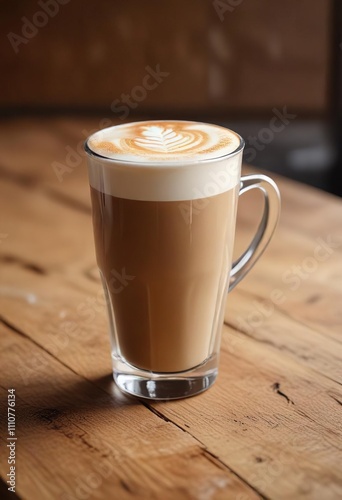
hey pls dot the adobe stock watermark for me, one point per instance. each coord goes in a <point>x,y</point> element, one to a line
<point>293,279</point>
<point>40,19</point>
<point>87,484</point>
<point>127,102</point>
<point>74,156</point>
<point>219,181</point>
<point>223,6</point>
<point>280,120</point>
<point>86,311</point>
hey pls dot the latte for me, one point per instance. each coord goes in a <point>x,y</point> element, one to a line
<point>164,140</point>
<point>164,197</point>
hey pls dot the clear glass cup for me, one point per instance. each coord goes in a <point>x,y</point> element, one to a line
<point>166,265</point>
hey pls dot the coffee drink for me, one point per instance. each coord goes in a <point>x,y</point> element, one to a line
<point>166,277</point>
<point>164,197</point>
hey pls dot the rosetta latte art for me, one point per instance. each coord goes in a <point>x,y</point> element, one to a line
<point>167,140</point>
<point>164,140</point>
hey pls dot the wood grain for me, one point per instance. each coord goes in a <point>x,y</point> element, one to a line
<point>78,436</point>
<point>271,425</point>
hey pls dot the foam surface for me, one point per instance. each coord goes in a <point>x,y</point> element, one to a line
<point>164,140</point>
<point>164,160</point>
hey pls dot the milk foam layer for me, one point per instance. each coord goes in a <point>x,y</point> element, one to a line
<point>153,141</point>
<point>164,160</point>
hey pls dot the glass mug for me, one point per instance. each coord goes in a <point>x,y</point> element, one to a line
<point>164,235</point>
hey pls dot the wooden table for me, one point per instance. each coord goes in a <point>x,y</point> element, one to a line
<point>270,426</point>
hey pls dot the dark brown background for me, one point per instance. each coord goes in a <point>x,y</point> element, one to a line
<point>263,54</point>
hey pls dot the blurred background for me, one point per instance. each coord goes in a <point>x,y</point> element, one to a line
<point>270,70</point>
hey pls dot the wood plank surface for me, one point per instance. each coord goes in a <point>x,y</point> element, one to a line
<point>271,425</point>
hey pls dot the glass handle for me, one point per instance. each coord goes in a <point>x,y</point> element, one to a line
<point>266,227</point>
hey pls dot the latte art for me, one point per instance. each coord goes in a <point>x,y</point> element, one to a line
<point>163,160</point>
<point>167,140</point>
<point>164,140</point>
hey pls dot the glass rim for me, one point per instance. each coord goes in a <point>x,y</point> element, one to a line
<point>171,163</point>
